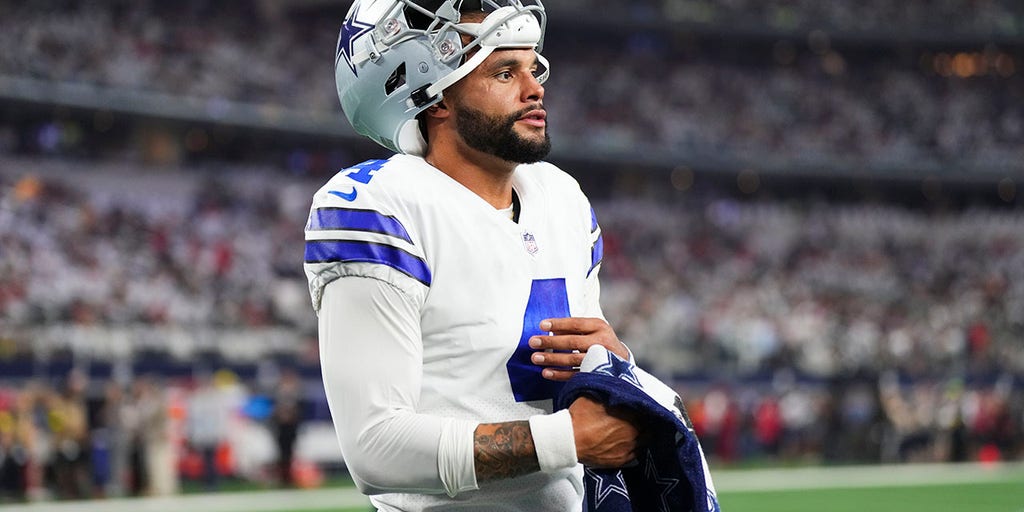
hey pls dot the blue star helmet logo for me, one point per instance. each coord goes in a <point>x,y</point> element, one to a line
<point>351,30</point>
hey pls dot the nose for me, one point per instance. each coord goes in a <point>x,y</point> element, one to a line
<point>533,90</point>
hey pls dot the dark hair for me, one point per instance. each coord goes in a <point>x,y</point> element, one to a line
<point>419,21</point>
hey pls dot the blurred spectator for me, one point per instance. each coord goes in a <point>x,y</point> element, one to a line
<point>768,425</point>
<point>159,452</point>
<point>112,439</point>
<point>285,420</point>
<point>14,449</point>
<point>208,422</point>
<point>67,419</point>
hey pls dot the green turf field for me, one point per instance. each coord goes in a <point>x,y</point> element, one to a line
<point>975,497</point>
<point>909,488</point>
<point>983,497</point>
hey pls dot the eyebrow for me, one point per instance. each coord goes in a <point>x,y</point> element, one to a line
<point>510,62</point>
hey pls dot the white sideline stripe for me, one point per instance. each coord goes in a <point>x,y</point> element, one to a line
<point>727,481</point>
<point>255,501</point>
<point>846,477</point>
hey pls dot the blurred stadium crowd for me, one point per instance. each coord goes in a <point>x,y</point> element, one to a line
<point>796,331</point>
<point>651,94</point>
<point>949,16</point>
<point>796,328</point>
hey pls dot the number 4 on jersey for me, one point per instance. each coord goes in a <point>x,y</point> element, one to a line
<point>548,299</point>
<point>361,173</point>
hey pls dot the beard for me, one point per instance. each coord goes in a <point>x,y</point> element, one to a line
<point>496,135</point>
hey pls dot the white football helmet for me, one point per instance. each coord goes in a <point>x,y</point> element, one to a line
<point>395,58</point>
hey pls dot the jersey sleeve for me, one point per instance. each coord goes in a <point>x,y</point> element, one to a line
<point>371,358</point>
<point>368,280</point>
<point>355,229</point>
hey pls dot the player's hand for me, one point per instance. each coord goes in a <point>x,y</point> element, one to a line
<point>572,334</point>
<point>605,437</point>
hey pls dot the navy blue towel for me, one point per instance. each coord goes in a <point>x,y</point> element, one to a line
<point>671,474</point>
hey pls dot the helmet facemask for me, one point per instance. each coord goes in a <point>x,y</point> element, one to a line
<point>396,57</point>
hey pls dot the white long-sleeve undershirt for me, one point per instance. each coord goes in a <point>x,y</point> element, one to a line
<point>371,359</point>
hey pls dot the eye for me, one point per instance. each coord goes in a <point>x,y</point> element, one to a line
<point>504,75</point>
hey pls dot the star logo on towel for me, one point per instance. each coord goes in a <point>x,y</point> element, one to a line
<point>713,503</point>
<point>606,485</point>
<point>651,472</point>
<point>618,368</point>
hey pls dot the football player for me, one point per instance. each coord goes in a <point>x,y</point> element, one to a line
<point>456,283</point>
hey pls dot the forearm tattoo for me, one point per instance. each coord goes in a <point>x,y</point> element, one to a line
<point>504,450</point>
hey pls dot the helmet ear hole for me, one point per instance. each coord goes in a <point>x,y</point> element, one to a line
<point>395,81</point>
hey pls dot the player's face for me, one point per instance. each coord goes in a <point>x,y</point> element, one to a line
<point>500,110</point>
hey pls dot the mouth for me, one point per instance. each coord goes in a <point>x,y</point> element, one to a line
<point>536,117</point>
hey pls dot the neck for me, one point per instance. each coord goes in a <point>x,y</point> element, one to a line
<point>485,175</point>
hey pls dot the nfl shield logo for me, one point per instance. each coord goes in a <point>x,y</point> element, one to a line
<point>530,242</point>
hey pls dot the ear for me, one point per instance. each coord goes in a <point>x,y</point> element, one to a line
<point>438,110</point>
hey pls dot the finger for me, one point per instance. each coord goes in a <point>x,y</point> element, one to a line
<point>557,359</point>
<point>572,325</point>
<point>564,342</point>
<point>558,375</point>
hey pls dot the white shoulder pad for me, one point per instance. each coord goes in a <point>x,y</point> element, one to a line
<point>357,228</point>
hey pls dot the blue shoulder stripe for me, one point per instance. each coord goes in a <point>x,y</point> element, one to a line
<point>597,250</point>
<point>596,254</point>
<point>357,220</point>
<point>328,251</point>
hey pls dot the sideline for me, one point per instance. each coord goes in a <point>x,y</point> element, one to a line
<point>254,501</point>
<point>726,481</point>
<point>846,477</point>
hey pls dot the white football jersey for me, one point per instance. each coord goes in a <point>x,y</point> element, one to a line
<point>482,283</point>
